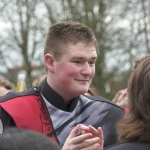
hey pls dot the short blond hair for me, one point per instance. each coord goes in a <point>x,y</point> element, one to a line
<point>64,33</point>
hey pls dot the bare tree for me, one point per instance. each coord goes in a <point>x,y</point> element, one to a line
<point>121,28</point>
<point>21,39</point>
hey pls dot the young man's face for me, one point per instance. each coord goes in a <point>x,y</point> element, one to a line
<point>73,73</point>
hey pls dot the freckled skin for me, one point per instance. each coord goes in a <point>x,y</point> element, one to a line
<point>71,76</point>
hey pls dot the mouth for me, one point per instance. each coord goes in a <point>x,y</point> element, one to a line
<point>82,80</point>
<point>86,80</point>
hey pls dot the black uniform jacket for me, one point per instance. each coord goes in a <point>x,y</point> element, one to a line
<point>89,110</point>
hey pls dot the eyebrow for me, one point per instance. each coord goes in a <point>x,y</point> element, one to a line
<point>78,57</point>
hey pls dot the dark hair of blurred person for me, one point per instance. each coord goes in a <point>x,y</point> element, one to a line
<point>134,129</point>
<point>21,139</point>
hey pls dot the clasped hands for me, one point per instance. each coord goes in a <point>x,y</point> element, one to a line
<point>90,139</point>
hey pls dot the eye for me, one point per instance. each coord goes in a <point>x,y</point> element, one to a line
<point>92,62</point>
<point>77,62</point>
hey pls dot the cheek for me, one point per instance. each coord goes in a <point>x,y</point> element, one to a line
<point>72,72</point>
<point>93,72</point>
<point>67,73</point>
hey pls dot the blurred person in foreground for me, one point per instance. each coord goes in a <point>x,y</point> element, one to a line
<point>57,107</point>
<point>21,139</point>
<point>5,86</point>
<point>134,129</point>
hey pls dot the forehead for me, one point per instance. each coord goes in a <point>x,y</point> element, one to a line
<point>80,50</point>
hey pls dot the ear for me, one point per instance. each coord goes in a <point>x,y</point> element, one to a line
<point>49,62</point>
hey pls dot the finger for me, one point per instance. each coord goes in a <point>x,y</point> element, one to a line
<point>81,138</point>
<point>121,98</point>
<point>91,144</point>
<point>84,127</point>
<point>89,129</point>
<point>83,132</point>
<point>94,131</point>
<point>101,136</point>
<point>123,93</point>
<point>74,132</point>
<point>115,99</point>
<point>93,147</point>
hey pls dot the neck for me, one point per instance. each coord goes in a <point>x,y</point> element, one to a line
<point>66,97</point>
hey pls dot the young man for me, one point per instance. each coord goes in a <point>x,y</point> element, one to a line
<point>57,105</point>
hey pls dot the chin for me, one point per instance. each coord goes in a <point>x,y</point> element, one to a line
<point>82,92</point>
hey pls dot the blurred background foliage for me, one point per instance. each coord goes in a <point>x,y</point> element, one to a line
<point>122,29</point>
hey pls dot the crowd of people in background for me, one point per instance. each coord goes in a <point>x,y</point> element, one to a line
<point>67,109</point>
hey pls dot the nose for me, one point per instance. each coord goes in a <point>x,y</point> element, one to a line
<point>87,70</point>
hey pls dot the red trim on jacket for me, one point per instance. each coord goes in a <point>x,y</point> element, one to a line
<point>29,112</point>
<point>47,123</point>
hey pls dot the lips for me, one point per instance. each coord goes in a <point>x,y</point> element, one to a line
<point>81,81</point>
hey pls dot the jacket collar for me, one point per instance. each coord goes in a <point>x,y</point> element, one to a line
<point>55,99</point>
